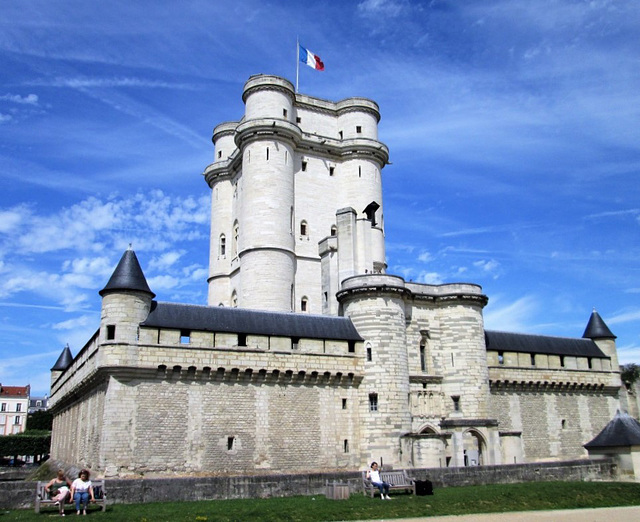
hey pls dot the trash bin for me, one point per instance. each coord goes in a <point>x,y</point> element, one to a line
<point>337,491</point>
<point>424,487</point>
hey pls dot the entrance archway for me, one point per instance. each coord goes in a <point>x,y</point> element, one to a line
<point>474,447</point>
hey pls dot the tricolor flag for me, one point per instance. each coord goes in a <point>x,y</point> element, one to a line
<point>312,60</point>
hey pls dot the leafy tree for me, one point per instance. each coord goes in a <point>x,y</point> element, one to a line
<point>40,420</point>
<point>629,373</point>
<point>36,443</point>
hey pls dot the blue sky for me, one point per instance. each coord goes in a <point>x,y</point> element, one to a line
<point>513,128</point>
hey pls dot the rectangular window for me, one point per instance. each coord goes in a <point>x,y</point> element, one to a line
<point>284,112</point>
<point>331,171</point>
<point>533,359</point>
<point>17,421</point>
<point>242,339</point>
<point>298,119</point>
<point>352,346</point>
<point>111,332</point>
<point>369,354</point>
<point>3,407</point>
<point>423,358</point>
<point>500,357</point>
<point>562,361</point>
<point>456,403</point>
<point>219,154</point>
<point>231,441</point>
<point>267,153</point>
<point>358,129</point>
<point>18,407</point>
<point>373,402</point>
<point>185,336</point>
<point>345,445</point>
<point>340,134</point>
<point>344,404</point>
<point>304,166</point>
<point>294,343</point>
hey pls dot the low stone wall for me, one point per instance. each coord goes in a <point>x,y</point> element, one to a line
<point>17,495</point>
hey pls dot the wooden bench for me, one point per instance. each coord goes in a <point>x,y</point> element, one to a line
<point>398,480</point>
<point>43,499</point>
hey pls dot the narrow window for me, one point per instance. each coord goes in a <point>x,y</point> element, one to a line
<point>344,404</point>
<point>16,420</point>
<point>369,354</point>
<point>18,407</point>
<point>284,112</point>
<point>345,445</point>
<point>234,299</point>
<point>352,346</point>
<point>303,228</point>
<point>562,361</point>
<point>236,235</point>
<point>111,332</point>
<point>298,119</point>
<point>286,157</point>
<point>423,357</point>
<point>223,245</point>
<point>185,337</point>
<point>325,296</point>
<point>331,171</point>
<point>500,357</point>
<point>304,304</point>
<point>219,154</point>
<point>3,407</point>
<point>563,424</point>
<point>373,402</point>
<point>267,153</point>
<point>589,363</point>
<point>242,339</point>
<point>359,171</point>
<point>304,166</point>
<point>533,359</point>
<point>453,364</point>
<point>456,403</point>
<point>295,341</point>
<point>340,134</point>
<point>231,441</point>
<point>334,230</point>
<point>358,129</point>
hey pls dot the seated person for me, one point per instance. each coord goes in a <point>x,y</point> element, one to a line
<point>82,491</point>
<point>374,476</point>
<point>58,490</point>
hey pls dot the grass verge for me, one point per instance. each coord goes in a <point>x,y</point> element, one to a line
<point>447,501</point>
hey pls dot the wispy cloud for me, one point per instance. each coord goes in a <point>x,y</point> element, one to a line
<point>29,99</point>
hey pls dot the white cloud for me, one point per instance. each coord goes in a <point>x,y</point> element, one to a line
<point>29,99</point>
<point>82,321</point>
<point>429,278</point>
<point>512,317</point>
<point>491,267</point>
<point>425,257</point>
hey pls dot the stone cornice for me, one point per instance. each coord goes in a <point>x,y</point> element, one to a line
<point>550,386</point>
<point>468,423</point>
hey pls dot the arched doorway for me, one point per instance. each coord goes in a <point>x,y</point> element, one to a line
<point>474,447</point>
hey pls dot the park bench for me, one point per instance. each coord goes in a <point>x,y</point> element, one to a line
<point>43,499</point>
<point>398,480</point>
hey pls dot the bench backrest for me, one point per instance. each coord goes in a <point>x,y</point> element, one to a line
<point>391,477</point>
<point>98,489</point>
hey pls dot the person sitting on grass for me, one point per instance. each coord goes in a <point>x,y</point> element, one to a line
<point>58,490</point>
<point>82,491</point>
<point>374,476</point>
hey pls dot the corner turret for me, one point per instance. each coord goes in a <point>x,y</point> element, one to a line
<point>64,361</point>
<point>598,331</point>
<point>126,301</point>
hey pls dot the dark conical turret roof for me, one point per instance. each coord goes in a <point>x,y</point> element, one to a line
<point>597,328</point>
<point>622,430</point>
<point>64,361</point>
<point>127,276</point>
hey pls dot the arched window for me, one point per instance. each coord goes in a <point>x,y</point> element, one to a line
<point>304,304</point>
<point>334,230</point>
<point>304,229</point>
<point>222,249</point>
<point>234,299</point>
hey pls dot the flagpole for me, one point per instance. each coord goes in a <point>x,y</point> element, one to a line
<point>297,61</point>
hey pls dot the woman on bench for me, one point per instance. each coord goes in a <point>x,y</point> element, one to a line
<point>58,490</point>
<point>374,476</point>
<point>81,491</point>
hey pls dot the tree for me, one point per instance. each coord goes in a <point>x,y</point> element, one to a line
<point>629,373</point>
<point>40,420</point>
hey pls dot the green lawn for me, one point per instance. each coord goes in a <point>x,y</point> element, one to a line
<point>446,501</point>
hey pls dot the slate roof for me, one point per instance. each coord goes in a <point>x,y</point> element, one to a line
<point>127,276</point>
<point>528,343</point>
<point>622,430</point>
<point>255,322</point>
<point>597,328</point>
<point>64,361</point>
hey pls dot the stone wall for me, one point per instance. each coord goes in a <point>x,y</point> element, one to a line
<point>20,495</point>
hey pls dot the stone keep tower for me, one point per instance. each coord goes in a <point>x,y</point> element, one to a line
<point>296,199</point>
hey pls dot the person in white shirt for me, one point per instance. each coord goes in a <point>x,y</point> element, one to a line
<point>81,491</point>
<point>374,476</point>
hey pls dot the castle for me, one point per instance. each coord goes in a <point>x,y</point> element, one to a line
<point>309,355</point>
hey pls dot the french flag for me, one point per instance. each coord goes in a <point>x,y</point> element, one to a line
<point>312,60</point>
